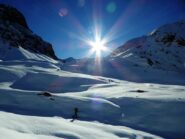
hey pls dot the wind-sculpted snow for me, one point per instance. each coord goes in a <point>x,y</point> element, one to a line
<point>56,127</point>
<point>127,69</point>
<point>98,109</point>
<point>7,53</point>
<point>107,101</point>
<point>53,83</point>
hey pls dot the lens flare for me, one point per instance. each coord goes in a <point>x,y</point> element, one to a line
<point>111,7</point>
<point>63,12</point>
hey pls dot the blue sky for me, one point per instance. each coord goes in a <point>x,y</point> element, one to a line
<point>66,24</point>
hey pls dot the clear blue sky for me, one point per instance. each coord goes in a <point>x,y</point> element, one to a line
<point>66,23</point>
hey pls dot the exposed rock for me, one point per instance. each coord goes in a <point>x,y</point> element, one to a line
<point>15,31</point>
<point>12,15</point>
<point>138,91</point>
<point>46,94</point>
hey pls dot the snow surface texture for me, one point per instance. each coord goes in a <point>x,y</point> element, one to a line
<point>106,105</point>
<point>37,98</point>
<point>163,49</point>
<point>20,54</point>
<point>55,127</point>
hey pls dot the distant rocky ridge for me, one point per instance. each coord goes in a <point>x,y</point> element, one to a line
<point>15,32</point>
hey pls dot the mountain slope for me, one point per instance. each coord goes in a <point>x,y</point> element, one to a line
<point>14,33</point>
<point>38,98</point>
<point>164,48</point>
<point>8,52</point>
<point>102,102</point>
<point>143,59</point>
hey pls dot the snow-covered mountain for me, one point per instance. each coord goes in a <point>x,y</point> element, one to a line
<point>38,93</point>
<point>15,33</point>
<point>143,59</point>
<point>164,48</point>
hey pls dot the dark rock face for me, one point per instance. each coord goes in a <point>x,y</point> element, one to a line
<point>11,14</point>
<point>15,31</point>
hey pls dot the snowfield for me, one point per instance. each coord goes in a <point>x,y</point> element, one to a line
<point>109,108</point>
<point>31,127</point>
<point>138,92</point>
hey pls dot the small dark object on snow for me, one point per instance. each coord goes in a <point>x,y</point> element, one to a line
<point>110,80</point>
<point>150,62</point>
<point>52,98</point>
<point>138,91</point>
<point>47,94</point>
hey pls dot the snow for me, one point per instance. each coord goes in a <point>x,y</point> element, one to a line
<point>126,98</point>
<point>162,47</point>
<point>32,127</point>
<point>130,69</point>
<point>12,53</point>
<point>53,83</point>
<point>143,59</point>
<point>107,105</point>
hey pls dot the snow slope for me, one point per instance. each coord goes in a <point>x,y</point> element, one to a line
<point>164,48</point>
<point>126,69</point>
<point>55,128</point>
<point>15,31</point>
<point>107,106</point>
<point>12,53</point>
<point>144,59</point>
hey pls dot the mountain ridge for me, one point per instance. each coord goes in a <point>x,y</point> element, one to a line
<point>15,32</point>
<point>163,48</point>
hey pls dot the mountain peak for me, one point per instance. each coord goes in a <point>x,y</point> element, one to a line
<point>164,48</point>
<point>15,32</point>
<point>8,13</point>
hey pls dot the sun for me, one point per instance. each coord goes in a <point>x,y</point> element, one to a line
<point>97,46</point>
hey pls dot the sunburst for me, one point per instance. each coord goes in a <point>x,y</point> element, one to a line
<point>97,46</point>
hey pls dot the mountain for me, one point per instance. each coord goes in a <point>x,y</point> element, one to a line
<point>164,48</point>
<point>39,93</point>
<point>15,34</point>
<point>143,59</point>
<point>69,60</point>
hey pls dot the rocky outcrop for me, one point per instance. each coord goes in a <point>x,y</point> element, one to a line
<point>12,15</point>
<point>15,31</point>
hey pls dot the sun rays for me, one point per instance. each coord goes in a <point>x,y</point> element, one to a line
<point>94,40</point>
<point>97,46</point>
